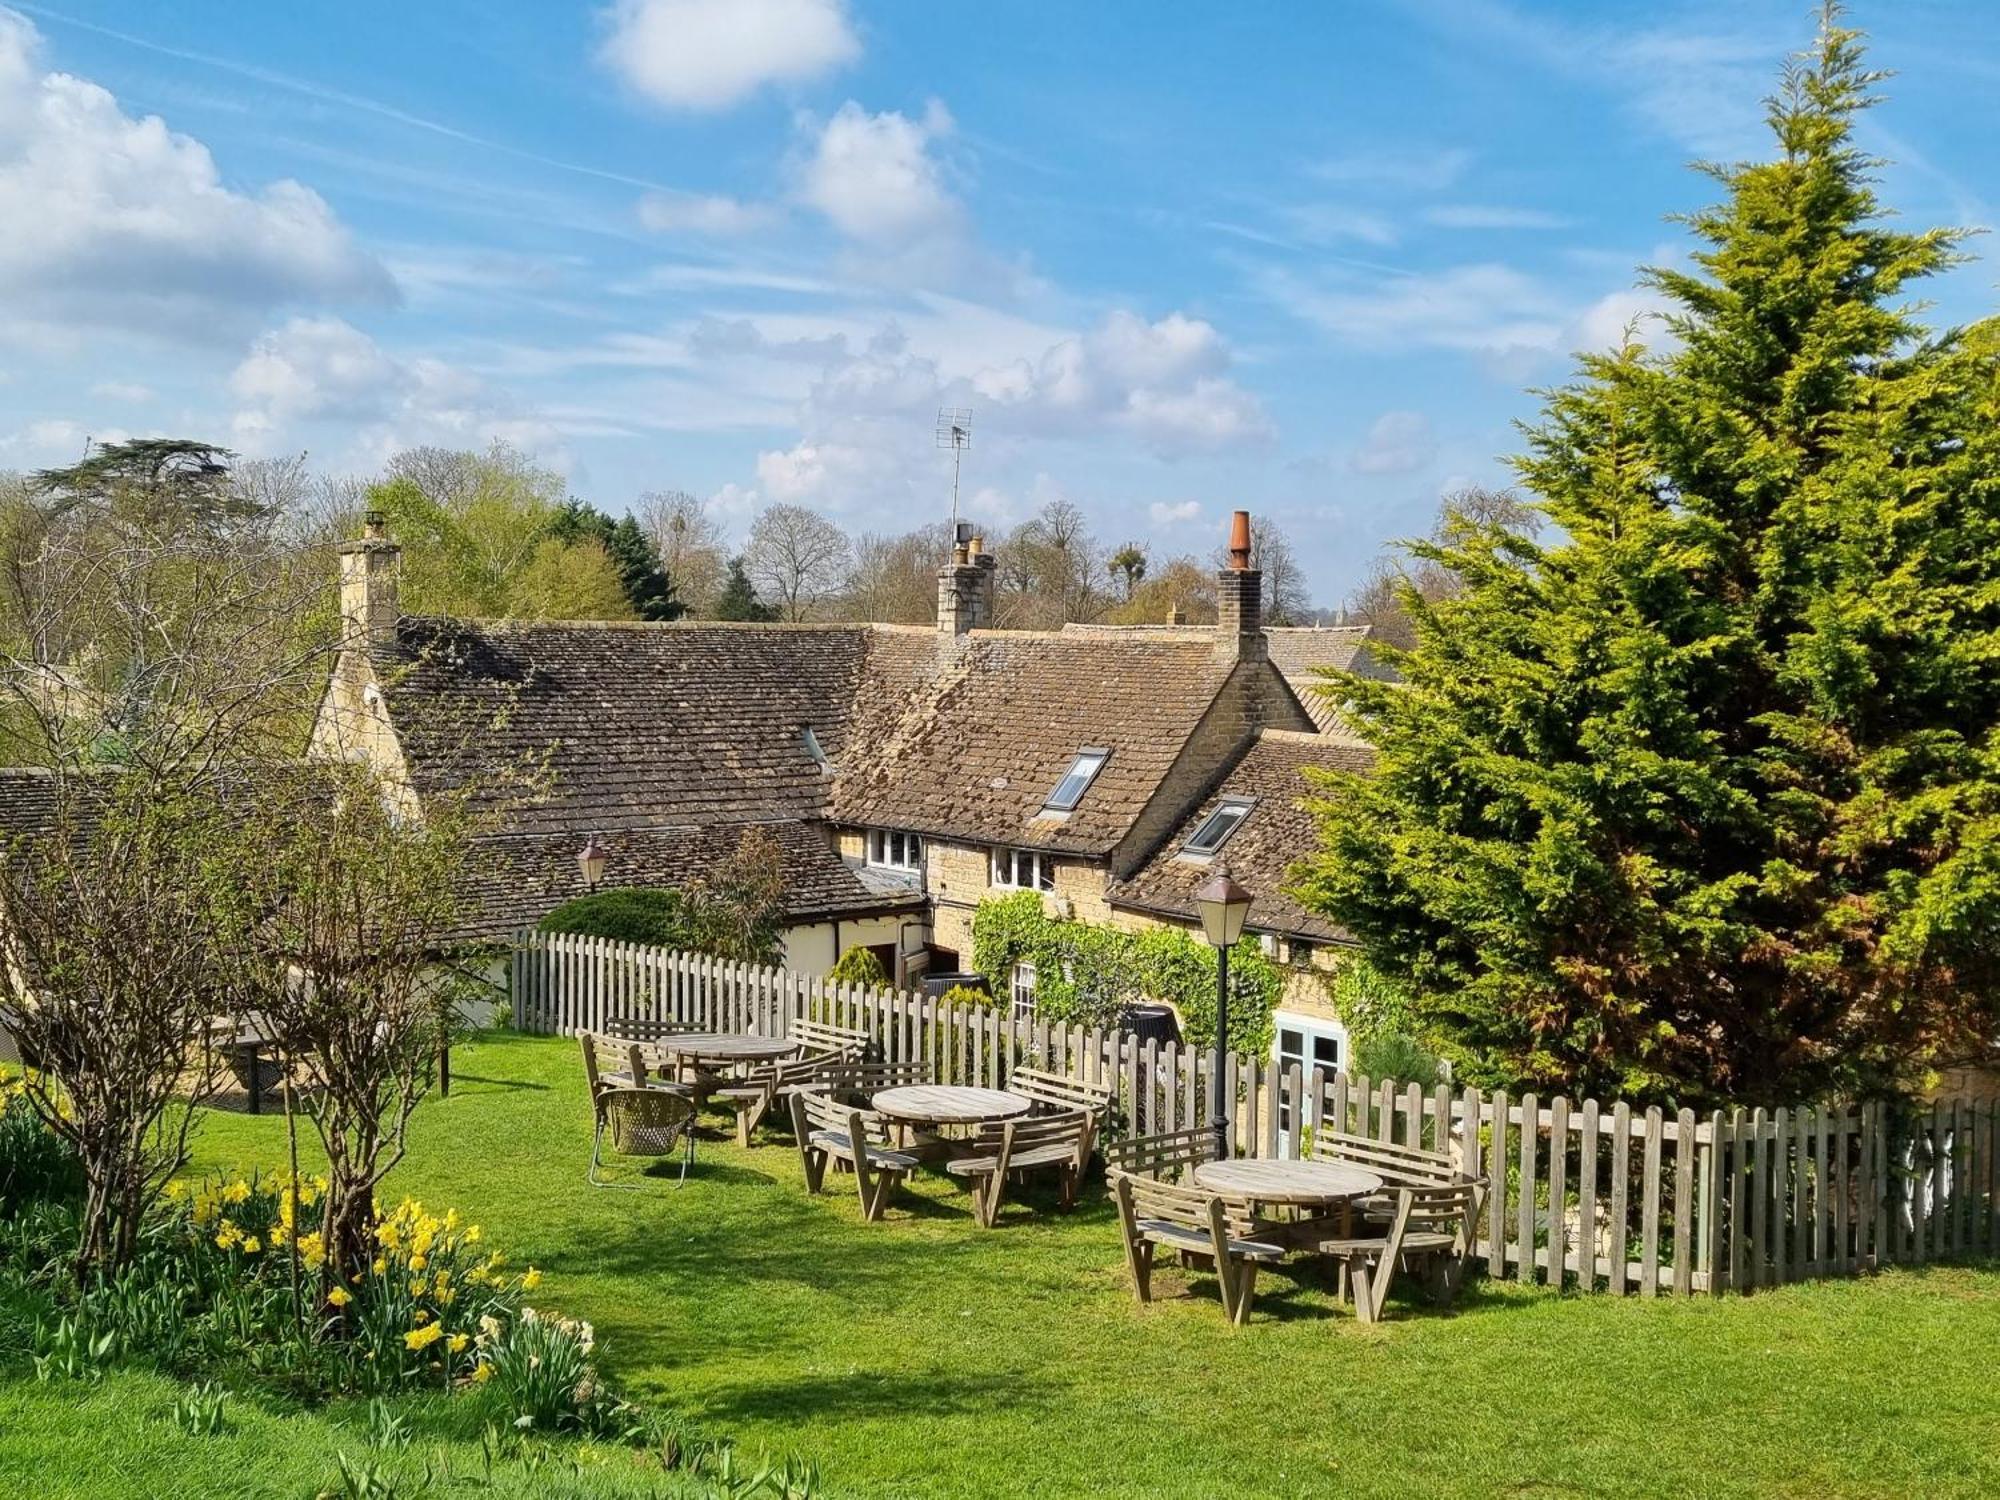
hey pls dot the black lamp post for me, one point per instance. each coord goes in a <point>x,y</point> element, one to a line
<point>590,859</point>
<point>1223,905</point>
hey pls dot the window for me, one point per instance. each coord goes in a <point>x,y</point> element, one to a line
<point>1216,828</point>
<point>1076,781</point>
<point>1306,1042</point>
<point>1023,870</point>
<point>1022,990</point>
<point>891,850</point>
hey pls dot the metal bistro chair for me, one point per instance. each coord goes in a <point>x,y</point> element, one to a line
<point>651,1122</point>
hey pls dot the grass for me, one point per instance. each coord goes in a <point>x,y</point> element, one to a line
<point>925,1357</point>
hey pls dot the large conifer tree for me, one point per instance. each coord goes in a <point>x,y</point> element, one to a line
<point>1701,799</point>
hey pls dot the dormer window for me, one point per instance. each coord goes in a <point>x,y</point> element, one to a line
<point>1216,828</point>
<point>1076,781</point>
<point>889,849</point>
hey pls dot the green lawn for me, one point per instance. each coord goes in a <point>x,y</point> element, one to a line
<point>923,1356</point>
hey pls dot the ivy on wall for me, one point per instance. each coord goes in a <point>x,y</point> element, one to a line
<point>1087,975</point>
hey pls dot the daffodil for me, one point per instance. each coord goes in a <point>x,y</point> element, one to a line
<point>531,1280</point>
<point>459,1342</point>
<point>482,1374</point>
<point>422,1338</point>
<point>340,1296</point>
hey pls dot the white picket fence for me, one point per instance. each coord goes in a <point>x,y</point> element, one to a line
<point>1602,1198</point>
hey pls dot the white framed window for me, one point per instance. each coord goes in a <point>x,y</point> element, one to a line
<point>1021,990</point>
<point>1216,828</point>
<point>1076,780</point>
<point>1023,870</point>
<point>890,849</point>
<point>1305,1042</point>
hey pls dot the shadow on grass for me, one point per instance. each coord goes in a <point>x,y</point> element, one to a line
<point>484,1084</point>
<point>867,1394</point>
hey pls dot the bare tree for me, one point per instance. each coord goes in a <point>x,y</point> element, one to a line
<point>894,578</point>
<point>796,557</point>
<point>117,961</point>
<point>1182,587</point>
<point>1379,601</point>
<point>355,903</point>
<point>691,545</point>
<point>1048,571</point>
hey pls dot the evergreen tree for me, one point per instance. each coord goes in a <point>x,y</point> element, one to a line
<point>738,599</point>
<point>644,578</point>
<point>1700,799</point>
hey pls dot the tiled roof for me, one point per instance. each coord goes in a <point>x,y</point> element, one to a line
<point>514,880</point>
<point>27,801</point>
<point>1302,653</point>
<point>975,750</point>
<point>634,726</point>
<point>1260,853</point>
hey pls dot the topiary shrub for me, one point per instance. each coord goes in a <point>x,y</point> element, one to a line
<point>965,994</point>
<point>859,966</point>
<point>659,918</point>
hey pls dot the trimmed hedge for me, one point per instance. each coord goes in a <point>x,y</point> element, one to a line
<point>657,917</point>
<point>858,966</point>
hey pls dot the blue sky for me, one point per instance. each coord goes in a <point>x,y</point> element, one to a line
<point>1176,257</point>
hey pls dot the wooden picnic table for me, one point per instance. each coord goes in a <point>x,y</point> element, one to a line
<point>723,1046</point>
<point>948,1104</point>
<point>1294,1184</point>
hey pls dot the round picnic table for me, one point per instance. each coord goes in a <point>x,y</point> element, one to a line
<point>1297,1184</point>
<point>948,1104</point>
<point>724,1046</point>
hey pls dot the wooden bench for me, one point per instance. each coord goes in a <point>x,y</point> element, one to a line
<point>1200,1226</point>
<point>1429,1226</point>
<point>1164,1156</point>
<point>1056,1092</point>
<point>646,1028</point>
<point>821,1038</point>
<point>831,1131</point>
<point>862,1080</point>
<point>1013,1148</point>
<point>1397,1165</point>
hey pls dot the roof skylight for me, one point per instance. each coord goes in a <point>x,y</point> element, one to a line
<point>1216,828</point>
<point>1076,781</point>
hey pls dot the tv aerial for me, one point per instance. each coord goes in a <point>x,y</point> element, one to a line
<point>954,431</point>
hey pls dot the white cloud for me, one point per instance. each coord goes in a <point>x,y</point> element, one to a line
<point>1398,442</point>
<point>874,176</point>
<point>121,222</point>
<point>1176,514</point>
<point>1493,216</point>
<point>704,214</point>
<point>325,370</point>
<point>709,54</point>
<point>54,441</point>
<point>1636,314</point>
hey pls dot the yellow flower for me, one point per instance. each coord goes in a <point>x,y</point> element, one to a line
<point>236,1192</point>
<point>252,1245</point>
<point>472,1234</point>
<point>175,1189</point>
<point>459,1342</point>
<point>340,1296</point>
<point>380,1267</point>
<point>419,1261</point>
<point>483,1374</point>
<point>227,1236</point>
<point>532,1280</point>
<point>422,1338</point>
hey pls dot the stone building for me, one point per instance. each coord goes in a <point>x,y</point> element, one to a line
<point>908,773</point>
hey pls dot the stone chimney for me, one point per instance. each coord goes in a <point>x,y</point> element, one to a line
<point>1176,615</point>
<point>1239,600</point>
<point>965,586</point>
<point>368,569</point>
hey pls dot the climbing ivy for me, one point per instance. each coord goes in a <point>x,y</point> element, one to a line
<point>1087,974</point>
